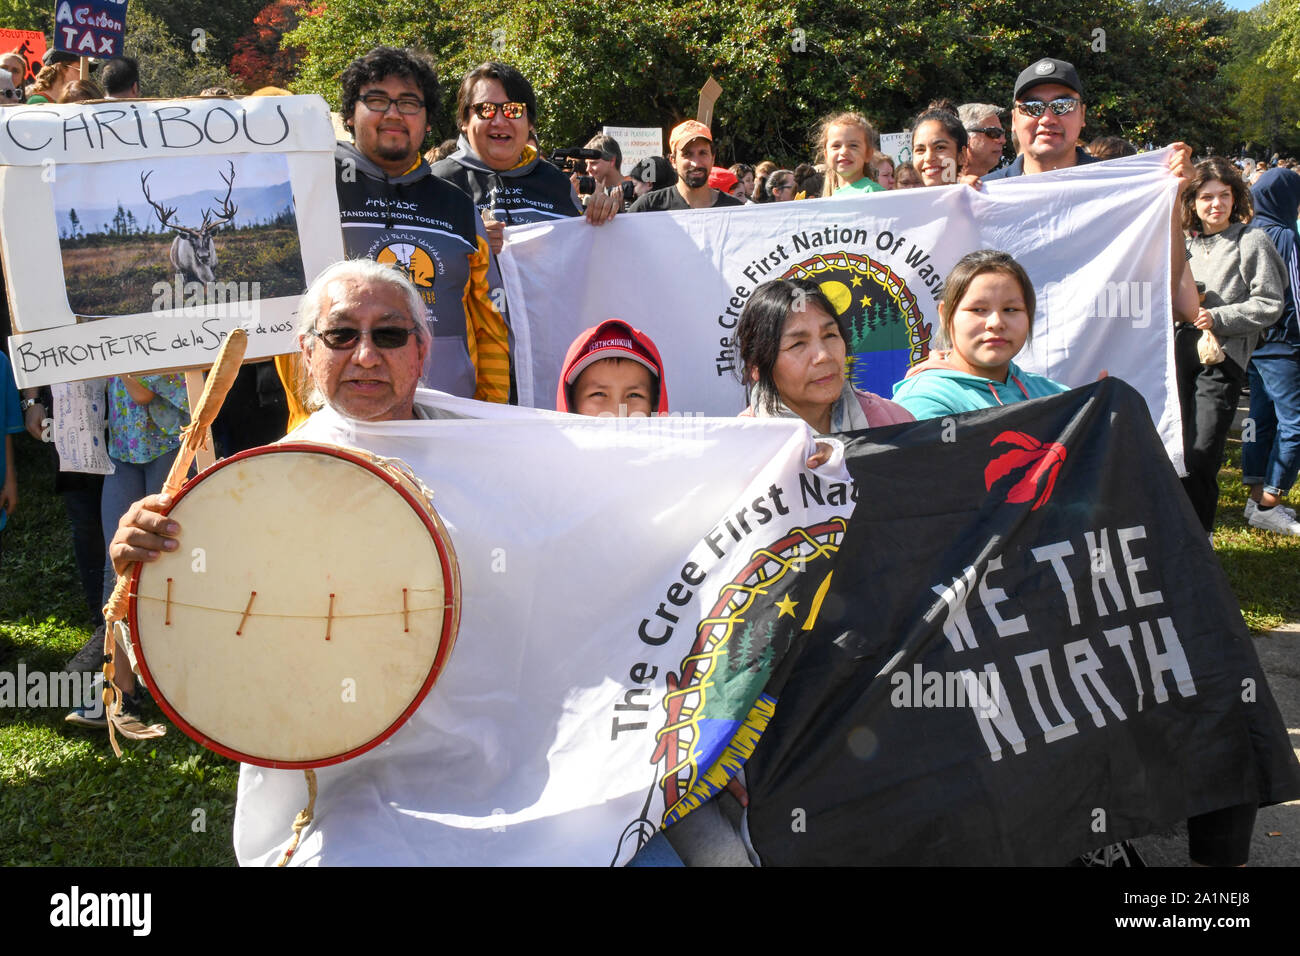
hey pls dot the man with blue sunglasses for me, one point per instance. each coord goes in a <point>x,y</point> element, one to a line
<point>1047,118</point>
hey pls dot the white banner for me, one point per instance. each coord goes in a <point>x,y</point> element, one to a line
<point>605,648</point>
<point>1094,239</point>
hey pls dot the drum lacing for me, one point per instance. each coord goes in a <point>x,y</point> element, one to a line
<point>399,465</point>
<point>303,818</point>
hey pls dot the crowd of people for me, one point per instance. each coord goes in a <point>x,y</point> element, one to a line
<point>370,334</point>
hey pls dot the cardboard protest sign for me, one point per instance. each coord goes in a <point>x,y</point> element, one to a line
<point>29,44</point>
<point>171,222</point>
<point>90,27</point>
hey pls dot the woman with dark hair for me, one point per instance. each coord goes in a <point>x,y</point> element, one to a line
<point>780,186</point>
<point>1270,463</point>
<point>1241,273</point>
<point>496,109</point>
<point>939,142</point>
<point>791,346</point>
<point>745,173</point>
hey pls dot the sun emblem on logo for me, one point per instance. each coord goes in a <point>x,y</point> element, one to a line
<point>887,334</point>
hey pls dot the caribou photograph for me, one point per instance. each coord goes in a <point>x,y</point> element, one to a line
<point>171,233</point>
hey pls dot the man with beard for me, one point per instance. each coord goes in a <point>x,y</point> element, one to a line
<point>690,150</point>
<point>396,212</point>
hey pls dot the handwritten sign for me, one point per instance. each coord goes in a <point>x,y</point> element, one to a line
<point>137,235</point>
<point>637,143</point>
<point>80,412</point>
<point>898,146</point>
<point>90,27</point>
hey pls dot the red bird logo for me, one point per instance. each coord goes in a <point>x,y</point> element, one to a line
<point>1041,461</point>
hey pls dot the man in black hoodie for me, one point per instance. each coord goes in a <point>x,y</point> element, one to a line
<point>394,211</point>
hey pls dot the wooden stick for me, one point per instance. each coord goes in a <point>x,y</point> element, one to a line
<point>202,413</point>
<point>243,620</point>
<point>206,455</point>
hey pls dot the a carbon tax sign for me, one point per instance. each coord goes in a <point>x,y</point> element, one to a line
<point>90,28</point>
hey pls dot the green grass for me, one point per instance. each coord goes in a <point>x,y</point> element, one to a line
<point>65,799</point>
<point>1263,568</point>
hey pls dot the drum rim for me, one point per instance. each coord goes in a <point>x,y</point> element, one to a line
<point>450,615</point>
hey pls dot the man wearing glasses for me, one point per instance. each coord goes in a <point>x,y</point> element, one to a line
<point>1047,118</point>
<point>393,210</point>
<point>983,122</point>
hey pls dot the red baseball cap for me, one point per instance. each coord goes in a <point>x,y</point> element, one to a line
<point>615,341</point>
<point>722,179</point>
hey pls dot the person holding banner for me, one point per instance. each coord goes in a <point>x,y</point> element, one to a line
<point>496,109</point>
<point>1242,276</point>
<point>790,342</point>
<point>388,197</point>
<point>987,313</point>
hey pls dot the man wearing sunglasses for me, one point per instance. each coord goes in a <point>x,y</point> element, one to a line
<point>1047,118</point>
<point>364,338</point>
<point>393,210</point>
<point>983,123</point>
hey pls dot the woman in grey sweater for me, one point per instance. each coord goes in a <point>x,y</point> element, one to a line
<point>1243,280</point>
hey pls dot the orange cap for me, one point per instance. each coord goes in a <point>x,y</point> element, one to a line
<point>686,131</point>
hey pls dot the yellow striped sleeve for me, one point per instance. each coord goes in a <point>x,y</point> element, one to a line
<point>486,334</point>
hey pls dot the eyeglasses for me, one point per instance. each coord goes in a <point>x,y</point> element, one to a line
<point>992,132</point>
<point>486,111</point>
<point>1059,107</point>
<point>345,337</point>
<point>380,102</point>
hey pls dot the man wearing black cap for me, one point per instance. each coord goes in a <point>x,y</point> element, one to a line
<point>1047,118</point>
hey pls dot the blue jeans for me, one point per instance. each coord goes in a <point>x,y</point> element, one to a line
<point>1273,458</point>
<point>129,483</point>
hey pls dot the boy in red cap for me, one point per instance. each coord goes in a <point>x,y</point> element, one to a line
<point>612,369</point>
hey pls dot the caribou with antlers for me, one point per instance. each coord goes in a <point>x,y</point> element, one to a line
<point>193,251</point>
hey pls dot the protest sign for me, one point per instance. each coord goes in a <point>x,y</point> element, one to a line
<point>170,222</point>
<point>637,143</point>
<point>90,27</point>
<point>29,44</point>
<point>1094,239</point>
<point>898,146</point>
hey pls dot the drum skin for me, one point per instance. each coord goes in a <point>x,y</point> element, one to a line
<point>355,610</point>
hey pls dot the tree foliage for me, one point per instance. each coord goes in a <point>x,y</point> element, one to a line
<point>1151,71</point>
<point>260,59</point>
<point>1265,98</point>
<point>168,68</point>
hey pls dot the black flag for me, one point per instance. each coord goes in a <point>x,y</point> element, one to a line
<point>1028,650</point>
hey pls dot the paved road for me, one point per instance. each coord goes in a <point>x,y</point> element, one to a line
<point>1277,829</point>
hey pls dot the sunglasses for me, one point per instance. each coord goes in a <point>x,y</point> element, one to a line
<point>992,132</point>
<point>345,337</point>
<point>1059,107</point>
<point>380,102</point>
<point>486,111</point>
